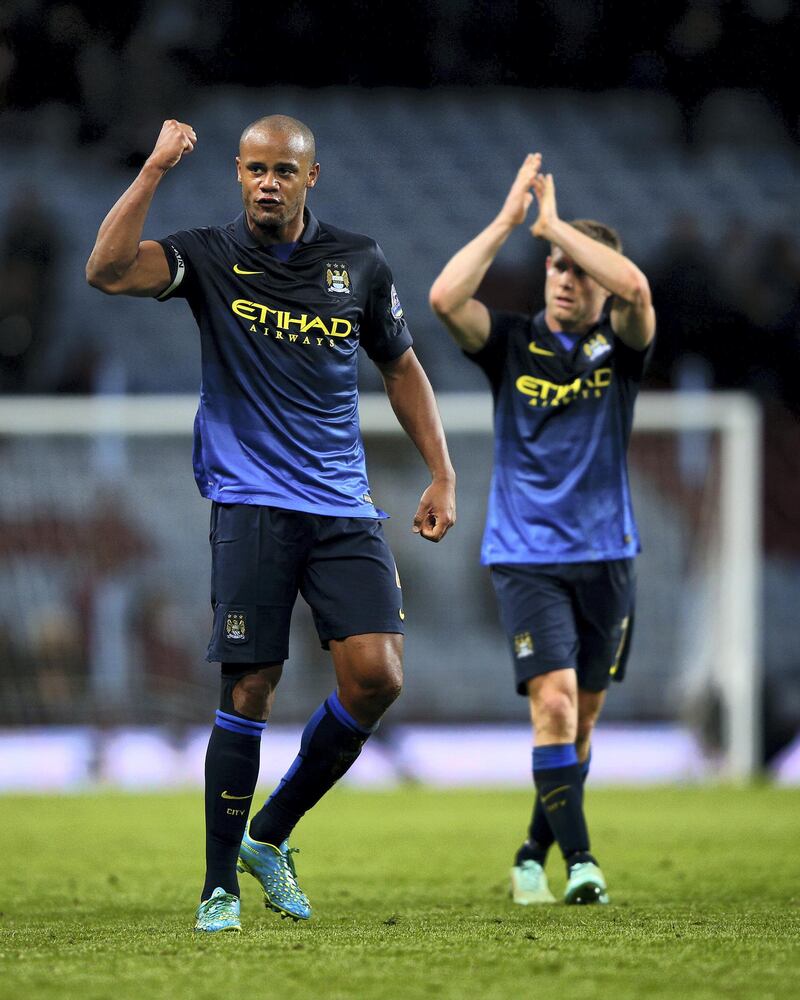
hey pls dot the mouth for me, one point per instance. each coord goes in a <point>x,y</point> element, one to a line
<point>268,202</point>
<point>564,302</point>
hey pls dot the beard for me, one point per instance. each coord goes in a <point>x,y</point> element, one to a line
<point>270,220</point>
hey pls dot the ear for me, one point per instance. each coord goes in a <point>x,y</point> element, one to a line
<point>313,175</point>
<point>238,170</point>
<point>547,262</point>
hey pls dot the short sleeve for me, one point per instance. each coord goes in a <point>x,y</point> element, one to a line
<point>181,250</point>
<point>384,334</point>
<point>492,356</point>
<point>630,361</point>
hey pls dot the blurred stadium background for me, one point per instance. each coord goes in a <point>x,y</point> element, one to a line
<point>676,124</point>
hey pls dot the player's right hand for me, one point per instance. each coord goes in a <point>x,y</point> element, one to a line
<point>519,198</point>
<point>175,139</point>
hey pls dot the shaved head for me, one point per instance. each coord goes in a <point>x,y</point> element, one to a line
<point>276,167</point>
<point>297,135</point>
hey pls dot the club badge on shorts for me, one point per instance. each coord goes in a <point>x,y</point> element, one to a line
<point>235,627</point>
<point>523,645</point>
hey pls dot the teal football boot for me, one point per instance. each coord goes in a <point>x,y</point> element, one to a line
<point>585,884</point>
<point>272,867</point>
<point>529,884</point>
<point>220,912</point>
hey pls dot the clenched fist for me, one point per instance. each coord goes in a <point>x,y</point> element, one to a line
<point>175,139</point>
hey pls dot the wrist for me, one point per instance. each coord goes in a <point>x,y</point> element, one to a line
<point>445,475</point>
<point>152,170</point>
<point>548,229</point>
<point>502,226</point>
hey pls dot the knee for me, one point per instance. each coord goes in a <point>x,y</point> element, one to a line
<point>554,712</point>
<point>251,694</point>
<point>378,688</point>
<point>251,697</point>
<point>384,687</point>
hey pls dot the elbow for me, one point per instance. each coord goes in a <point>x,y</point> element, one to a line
<point>639,293</point>
<point>94,279</point>
<point>439,300</point>
<point>100,279</point>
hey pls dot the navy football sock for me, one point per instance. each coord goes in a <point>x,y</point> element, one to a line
<point>331,742</point>
<point>559,786</point>
<point>540,835</point>
<point>232,761</point>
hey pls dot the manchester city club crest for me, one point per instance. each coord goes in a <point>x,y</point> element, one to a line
<point>336,278</point>
<point>523,645</point>
<point>235,627</point>
<point>596,347</point>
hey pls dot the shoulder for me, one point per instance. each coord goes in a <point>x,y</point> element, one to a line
<point>505,330</point>
<point>346,239</point>
<point>505,323</point>
<point>201,237</point>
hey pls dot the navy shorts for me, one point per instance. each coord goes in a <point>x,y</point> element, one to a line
<point>567,615</point>
<point>261,557</point>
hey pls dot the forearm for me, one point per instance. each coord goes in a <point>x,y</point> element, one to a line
<point>117,244</point>
<point>615,272</point>
<point>463,273</point>
<point>414,404</point>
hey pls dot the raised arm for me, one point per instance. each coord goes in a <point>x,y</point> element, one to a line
<point>451,295</point>
<point>120,263</point>
<point>633,319</point>
<point>412,400</point>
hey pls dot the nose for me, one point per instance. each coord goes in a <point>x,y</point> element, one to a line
<point>268,181</point>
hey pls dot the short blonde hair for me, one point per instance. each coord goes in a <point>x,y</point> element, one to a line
<point>598,231</point>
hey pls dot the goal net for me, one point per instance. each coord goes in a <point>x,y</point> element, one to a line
<point>104,610</point>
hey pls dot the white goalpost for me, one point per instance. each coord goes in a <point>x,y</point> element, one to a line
<point>58,453</point>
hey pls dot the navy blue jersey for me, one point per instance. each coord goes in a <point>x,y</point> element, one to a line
<point>563,420</point>
<point>277,423</point>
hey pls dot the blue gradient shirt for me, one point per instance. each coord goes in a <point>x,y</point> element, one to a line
<point>563,418</point>
<point>277,423</point>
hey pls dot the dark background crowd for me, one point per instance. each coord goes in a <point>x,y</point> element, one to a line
<point>113,61</point>
<point>99,76</point>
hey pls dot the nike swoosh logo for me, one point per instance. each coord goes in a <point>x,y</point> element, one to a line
<point>241,270</point>
<point>555,791</point>
<point>533,348</point>
<point>227,795</point>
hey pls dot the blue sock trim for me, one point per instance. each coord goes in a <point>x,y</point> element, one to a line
<point>339,712</point>
<point>236,724</point>
<point>554,755</point>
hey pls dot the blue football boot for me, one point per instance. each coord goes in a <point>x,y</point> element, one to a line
<point>220,912</point>
<point>274,870</point>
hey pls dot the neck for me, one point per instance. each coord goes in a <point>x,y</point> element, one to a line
<point>289,232</point>
<point>575,329</point>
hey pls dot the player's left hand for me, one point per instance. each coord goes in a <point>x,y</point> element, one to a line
<point>545,190</point>
<point>436,513</point>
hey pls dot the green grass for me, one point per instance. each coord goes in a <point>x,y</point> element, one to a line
<point>410,896</point>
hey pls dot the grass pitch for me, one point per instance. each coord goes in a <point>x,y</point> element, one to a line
<point>409,890</point>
